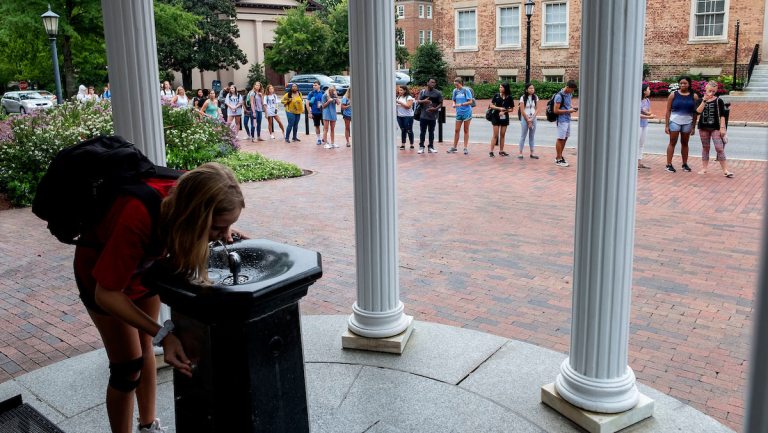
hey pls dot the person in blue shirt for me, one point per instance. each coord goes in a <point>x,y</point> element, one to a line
<point>107,95</point>
<point>330,102</point>
<point>346,113</point>
<point>463,99</point>
<point>563,109</point>
<point>315,109</point>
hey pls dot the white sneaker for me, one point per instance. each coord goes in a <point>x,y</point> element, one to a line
<point>328,146</point>
<point>272,136</point>
<point>334,145</point>
<point>421,150</point>
<point>432,150</point>
<point>154,428</point>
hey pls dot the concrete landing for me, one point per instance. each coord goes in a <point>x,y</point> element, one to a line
<point>448,380</point>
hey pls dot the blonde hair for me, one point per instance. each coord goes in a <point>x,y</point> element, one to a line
<point>187,213</point>
<point>713,84</point>
<point>180,90</point>
<point>258,83</point>
<point>328,91</point>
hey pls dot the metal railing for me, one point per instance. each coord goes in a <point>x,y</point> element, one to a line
<point>752,62</point>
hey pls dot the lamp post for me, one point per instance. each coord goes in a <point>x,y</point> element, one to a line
<point>51,23</point>
<point>529,5</point>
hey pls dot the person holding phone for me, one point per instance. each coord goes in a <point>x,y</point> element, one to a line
<point>711,111</point>
<point>563,109</point>
<point>330,102</point>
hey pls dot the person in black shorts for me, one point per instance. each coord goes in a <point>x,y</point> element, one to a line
<point>501,104</point>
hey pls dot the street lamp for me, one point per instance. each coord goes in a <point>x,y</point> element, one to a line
<point>529,5</point>
<point>51,23</point>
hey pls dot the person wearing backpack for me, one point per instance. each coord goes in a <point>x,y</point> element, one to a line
<point>463,101</point>
<point>314,105</point>
<point>109,259</point>
<point>563,108</point>
<point>711,112</point>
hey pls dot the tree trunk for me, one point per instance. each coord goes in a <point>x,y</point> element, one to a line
<point>186,78</point>
<point>69,85</point>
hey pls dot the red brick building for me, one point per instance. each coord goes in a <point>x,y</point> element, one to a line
<point>485,40</point>
<point>415,18</point>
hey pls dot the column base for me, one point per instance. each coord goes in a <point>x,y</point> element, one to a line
<point>613,395</point>
<point>594,422</point>
<point>395,344</point>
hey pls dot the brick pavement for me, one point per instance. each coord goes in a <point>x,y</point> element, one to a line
<point>485,244</point>
<point>741,111</point>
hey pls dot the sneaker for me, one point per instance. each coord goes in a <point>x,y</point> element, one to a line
<point>502,153</point>
<point>296,139</point>
<point>491,154</point>
<point>432,150</point>
<point>328,146</point>
<point>349,145</point>
<point>520,156</point>
<point>421,149</point>
<point>403,147</point>
<point>562,163</point>
<point>155,427</point>
<point>534,156</point>
<point>272,136</point>
<point>452,150</point>
<point>412,147</point>
<point>466,151</point>
<point>287,140</point>
<point>319,142</point>
<point>686,168</point>
<point>670,168</point>
<point>334,145</point>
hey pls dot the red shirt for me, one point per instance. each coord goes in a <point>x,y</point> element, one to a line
<point>125,234</point>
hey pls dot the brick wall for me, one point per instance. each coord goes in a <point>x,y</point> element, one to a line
<point>667,49</point>
<point>412,24</point>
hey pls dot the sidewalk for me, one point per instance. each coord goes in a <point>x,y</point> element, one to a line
<point>448,380</point>
<point>742,113</point>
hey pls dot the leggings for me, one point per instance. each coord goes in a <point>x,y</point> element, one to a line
<point>425,125</point>
<point>530,132</point>
<point>643,135</point>
<point>714,134</point>
<point>406,128</point>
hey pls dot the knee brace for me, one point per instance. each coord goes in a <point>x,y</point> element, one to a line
<point>121,375</point>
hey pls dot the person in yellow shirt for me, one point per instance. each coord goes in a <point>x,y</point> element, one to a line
<point>294,106</point>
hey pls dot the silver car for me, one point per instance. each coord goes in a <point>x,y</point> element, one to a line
<point>24,101</point>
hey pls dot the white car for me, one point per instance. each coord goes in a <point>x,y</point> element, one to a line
<point>24,101</point>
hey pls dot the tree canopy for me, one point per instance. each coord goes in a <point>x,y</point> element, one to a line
<point>427,62</point>
<point>300,43</point>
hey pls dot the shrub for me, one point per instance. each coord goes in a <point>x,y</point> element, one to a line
<point>256,73</point>
<point>427,62</point>
<point>253,167</point>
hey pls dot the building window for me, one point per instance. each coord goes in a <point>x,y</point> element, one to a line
<point>555,23</point>
<point>421,11</point>
<point>401,39</point>
<point>466,28</point>
<point>467,79</point>
<point>508,78</point>
<point>553,78</point>
<point>429,11</point>
<point>708,20</point>
<point>421,37</point>
<point>509,26</point>
<point>429,36</point>
<point>400,11</point>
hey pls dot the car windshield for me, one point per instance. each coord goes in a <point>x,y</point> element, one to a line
<point>30,95</point>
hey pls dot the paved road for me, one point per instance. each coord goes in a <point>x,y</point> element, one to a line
<point>744,142</point>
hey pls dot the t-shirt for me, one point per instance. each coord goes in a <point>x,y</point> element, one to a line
<point>271,102</point>
<point>505,102</point>
<point>402,111</point>
<point>565,104</point>
<point>461,96</point>
<point>645,107</point>
<point>435,99</point>
<point>127,250</point>
<point>347,112</point>
<point>315,99</point>
<point>529,107</point>
<point>710,116</point>
<point>329,112</point>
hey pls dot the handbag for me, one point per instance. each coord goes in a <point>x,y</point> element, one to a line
<point>417,110</point>
<point>489,114</point>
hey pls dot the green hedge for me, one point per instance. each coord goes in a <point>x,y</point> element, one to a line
<point>544,90</point>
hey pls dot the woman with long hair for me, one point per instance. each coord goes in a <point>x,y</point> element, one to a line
<point>210,107</point>
<point>234,103</point>
<point>294,106</point>
<point>270,104</point>
<point>463,99</point>
<point>330,101</point>
<point>680,121</point>
<point>645,114</point>
<point>501,104</point>
<point>199,99</point>
<point>180,100</point>
<point>256,98</point>
<point>346,113</point>
<point>198,208</point>
<point>404,103</point>
<point>166,93</point>
<point>526,111</point>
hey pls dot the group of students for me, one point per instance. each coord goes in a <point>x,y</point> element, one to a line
<point>87,94</point>
<point>321,106</point>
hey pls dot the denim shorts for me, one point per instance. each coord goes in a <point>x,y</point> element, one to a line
<point>674,127</point>
<point>563,130</point>
<point>463,117</point>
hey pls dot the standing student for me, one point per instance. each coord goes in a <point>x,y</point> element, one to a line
<point>526,112</point>
<point>234,103</point>
<point>294,106</point>
<point>645,114</point>
<point>199,99</point>
<point>180,100</point>
<point>711,112</point>
<point>431,101</point>
<point>463,100</point>
<point>270,104</point>
<point>330,102</point>
<point>248,114</point>
<point>314,107</point>
<point>404,102</point>
<point>107,95</point>
<point>166,93</point>
<point>563,108</point>
<point>502,104</point>
<point>257,105</point>
<point>210,107</point>
<point>223,100</point>
<point>680,121</point>
<point>200,208</point>
<point>346,113</point>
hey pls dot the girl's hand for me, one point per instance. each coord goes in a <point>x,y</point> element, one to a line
<point>174,355</point>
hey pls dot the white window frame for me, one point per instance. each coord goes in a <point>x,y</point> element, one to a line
<point>456,30</point>
<point>544,42</point>
<point>401,42</point>
<point>429,36</point>
<point>421,10</point>
<point>421,37</point>
<point>429,12</point>
<point>693,39</point>
<point>400,11</point>
<point>519,25</point>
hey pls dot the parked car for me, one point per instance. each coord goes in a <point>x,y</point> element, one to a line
<point>340,79</point>
<point>305,81</point>
<point>24,102</point>
<point>48,95</point>
<point>401,78</point>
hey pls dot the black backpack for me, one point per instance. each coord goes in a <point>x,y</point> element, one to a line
<point>83,181</point>
<point>551,115</point>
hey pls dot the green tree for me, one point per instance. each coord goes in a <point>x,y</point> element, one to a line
<point>338,44</point>
<point>299,43</point>
<point>256,73</point>
<point>401,53</point>
<point>427,62</point>
<point>214,47</point>
<point>173,26</point>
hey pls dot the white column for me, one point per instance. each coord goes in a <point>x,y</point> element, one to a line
<point>756,418</point>
<point>378,312</point>
<point>596,376</point>
<point>129,30</point>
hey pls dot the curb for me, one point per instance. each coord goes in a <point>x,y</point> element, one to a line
<point>730,122</point>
